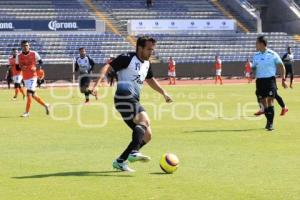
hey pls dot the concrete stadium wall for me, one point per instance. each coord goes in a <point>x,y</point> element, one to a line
<point>64,72</point>
<point>278,17</point>
<point>236,6</point>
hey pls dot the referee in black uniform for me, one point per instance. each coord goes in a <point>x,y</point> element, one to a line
<point>288,60</point>
<point>132,70</point>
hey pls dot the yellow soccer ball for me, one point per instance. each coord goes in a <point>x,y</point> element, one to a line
<point>169,163</point>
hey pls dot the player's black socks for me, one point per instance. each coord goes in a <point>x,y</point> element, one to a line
<point>87,96</point>
<point>269,112</point>
<point>266,113</point>
<point>135,144</point>
<point>272,112</point>
<point>138,136</point>
<point>280,101</point>
<point>142,144</point>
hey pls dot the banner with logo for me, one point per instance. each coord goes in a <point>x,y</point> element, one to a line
<point>164,26</point>
<point>47,25</point>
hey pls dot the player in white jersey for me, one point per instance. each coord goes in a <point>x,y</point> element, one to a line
<point>132,70</point>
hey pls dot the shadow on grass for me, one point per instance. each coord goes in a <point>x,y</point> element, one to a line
<point>223,130</point>
<point>159,173</point>
<point>9,117</point>
<point>80,173</point>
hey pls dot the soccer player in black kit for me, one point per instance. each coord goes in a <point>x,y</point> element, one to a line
<point>85,65</point>
<point>132,70</point>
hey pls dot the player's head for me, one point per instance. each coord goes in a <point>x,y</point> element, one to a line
<point>261,43</point>
<point>25,46</point>
<point>170,58</point>
<point>82,52</point>
<point>145,47</point>
<point>289,50</point>
<point>217,57</point>
<point>14,52</point>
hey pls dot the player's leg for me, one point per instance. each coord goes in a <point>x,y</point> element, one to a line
<point>261,106</point>
<point>28,102</point>
<point>131,110</point>
<point>170,78</point>
<point>139,126</point>
<point>8,82</point>
<point>270,112</point>
<point>32,88</point>
<point>280,101</point>
<point>291,77</point>
<point>269,92</point>
<point>221,80</point>
<point>141,136</point>
<point>174,78</point>
<point>21,89</point>
<point>16,86</point>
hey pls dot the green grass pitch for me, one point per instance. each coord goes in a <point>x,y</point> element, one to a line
<point>224,152</point>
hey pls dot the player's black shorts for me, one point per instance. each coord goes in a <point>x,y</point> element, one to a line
<point>266,87</point>
<point>289,69</point>
<point>84,82</point>
<point>128,108</point>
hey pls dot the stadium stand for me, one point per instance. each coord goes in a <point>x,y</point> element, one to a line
<point>196,47</point>
<point>121,11</point>
<point>43,9</point>
<point>199,48</point>
<point>61,48</point>
<point>185,48</point>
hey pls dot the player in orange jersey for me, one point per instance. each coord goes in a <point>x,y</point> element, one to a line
<point>27,62</point>
<point>16,74</point>
<point>218,67</point>
<point>248,70</point>
<point>171,71</point>
<point>41,76</point>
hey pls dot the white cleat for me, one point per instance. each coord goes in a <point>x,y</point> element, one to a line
<point>137,156</point>
<point>122,166</point>
<point>25,115</point>
<point>14,99</point>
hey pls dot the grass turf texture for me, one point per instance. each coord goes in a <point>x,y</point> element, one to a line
<point>44,158</point>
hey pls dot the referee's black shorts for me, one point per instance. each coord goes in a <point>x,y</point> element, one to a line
<point>266,87</point>
<point>128,108</point>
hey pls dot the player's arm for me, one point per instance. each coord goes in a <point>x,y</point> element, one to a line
<point>38,60</point>
<point>92,63</point>
<point>253,68</point>
<point>282,74</point>
<point>121,62</point>
<point>281,67</point>
<point>18,67</point>
<point>102,73</point>
<point>43,75</point>
<point>153,83</point>
<point>76,66</point>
